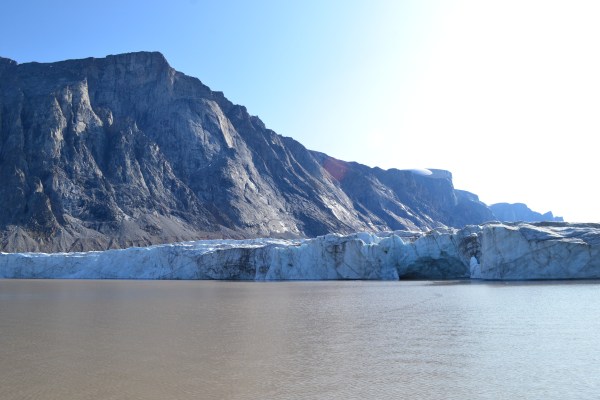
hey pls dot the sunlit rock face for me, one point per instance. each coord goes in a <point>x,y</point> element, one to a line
<point>125,151</point>
<point>490,252</point>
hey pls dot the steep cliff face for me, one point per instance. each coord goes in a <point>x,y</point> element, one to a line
<point>520,212</point>
<point>126,151</point>
<point>398,199</point>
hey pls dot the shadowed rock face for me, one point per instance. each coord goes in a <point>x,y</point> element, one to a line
<point>520,212</point>
<point>125,151</point>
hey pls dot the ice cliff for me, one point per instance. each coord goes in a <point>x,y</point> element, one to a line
<point>492,251</point>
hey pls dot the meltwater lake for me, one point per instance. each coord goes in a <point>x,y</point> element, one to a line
<point>75,339</point>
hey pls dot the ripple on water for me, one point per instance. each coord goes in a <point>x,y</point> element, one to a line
<point>303,340</point>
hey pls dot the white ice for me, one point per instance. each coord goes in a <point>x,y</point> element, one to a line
<point>492,251</point>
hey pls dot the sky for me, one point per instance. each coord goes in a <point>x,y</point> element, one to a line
<point>504,94</point>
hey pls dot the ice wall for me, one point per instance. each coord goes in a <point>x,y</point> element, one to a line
<point>492,251</point>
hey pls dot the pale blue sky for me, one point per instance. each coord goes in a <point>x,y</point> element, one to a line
<point>503,94</point>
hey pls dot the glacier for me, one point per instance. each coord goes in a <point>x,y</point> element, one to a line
<point>493,251</point>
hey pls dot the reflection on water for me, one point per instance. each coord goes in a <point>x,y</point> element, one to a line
<point>302,340</point>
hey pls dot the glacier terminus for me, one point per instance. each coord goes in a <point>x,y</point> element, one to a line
<point>492,251</point>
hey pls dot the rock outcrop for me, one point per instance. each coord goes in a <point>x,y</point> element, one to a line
<point>516,212</point>
<point>125,151</point>
<point>493,251</point>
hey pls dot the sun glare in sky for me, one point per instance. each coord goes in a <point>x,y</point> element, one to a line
<point>504,94</point>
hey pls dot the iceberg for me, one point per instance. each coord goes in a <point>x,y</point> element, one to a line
<point>493,251</point>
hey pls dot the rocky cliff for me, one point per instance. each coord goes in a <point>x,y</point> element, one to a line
<point>520,212</point>
<point>125,151</point>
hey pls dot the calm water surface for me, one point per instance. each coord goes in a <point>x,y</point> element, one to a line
<point>304,340</point>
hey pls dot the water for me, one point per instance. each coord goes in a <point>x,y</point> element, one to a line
<point>303,340</point>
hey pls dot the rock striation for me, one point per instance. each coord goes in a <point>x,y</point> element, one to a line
<point>492,251</point>
<point>125,151</point>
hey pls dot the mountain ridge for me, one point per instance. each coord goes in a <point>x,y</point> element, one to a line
<point>124,150</point>
<point>514,212</point>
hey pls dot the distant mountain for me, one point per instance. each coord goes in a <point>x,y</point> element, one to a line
<point>520,212</point>
<point>125,151</point>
